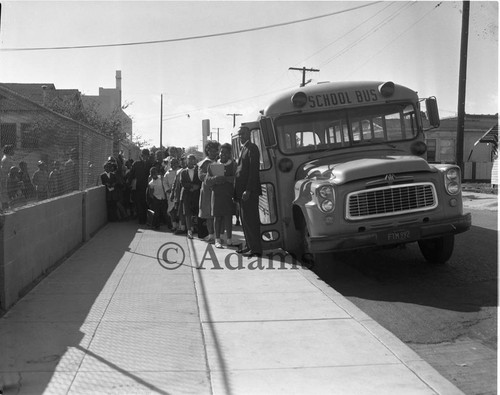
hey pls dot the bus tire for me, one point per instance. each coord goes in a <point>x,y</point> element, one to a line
<point>310,260</point>
<point>300,250</point>
<point>437,251</point>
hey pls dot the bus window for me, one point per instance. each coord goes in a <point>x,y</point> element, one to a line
<point>256,138</point>
<point>337,133</point>
<point>336,129</point>
<point>378,128</point>
<point>367,129</point>
<point>307,139</point>
<point>267,205</point>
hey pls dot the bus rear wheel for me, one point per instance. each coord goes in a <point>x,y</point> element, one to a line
<point>438,250</point>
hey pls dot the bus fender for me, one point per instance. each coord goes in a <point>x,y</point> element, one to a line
<point>302,196</point>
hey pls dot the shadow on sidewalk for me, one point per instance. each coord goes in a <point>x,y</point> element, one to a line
<point>49,330</point>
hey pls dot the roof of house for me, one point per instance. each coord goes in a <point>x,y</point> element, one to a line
<point>36,91</point>
<point>14,101</point>
<point>472,123</point>
<point>491,136</point>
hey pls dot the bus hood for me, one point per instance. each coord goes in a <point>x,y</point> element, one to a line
<point>340,171</point>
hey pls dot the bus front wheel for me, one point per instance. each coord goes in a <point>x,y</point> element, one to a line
<point>317,262</point>
<point>437,251</point>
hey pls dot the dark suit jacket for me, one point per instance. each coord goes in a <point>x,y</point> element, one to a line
<point>247,172</point>
<point>140,171</point>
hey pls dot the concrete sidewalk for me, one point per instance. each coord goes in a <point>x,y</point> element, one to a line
<point>119,317</point>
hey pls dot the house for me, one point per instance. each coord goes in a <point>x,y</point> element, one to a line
<point>478,158</point>
<point>108,104</point>
<point>491,138</point>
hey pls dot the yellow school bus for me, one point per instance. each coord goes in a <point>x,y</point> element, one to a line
<point>343,167</point>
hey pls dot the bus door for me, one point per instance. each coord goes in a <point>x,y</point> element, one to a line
<point>270,224</point>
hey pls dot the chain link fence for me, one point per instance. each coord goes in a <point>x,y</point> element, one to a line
<point>45,154</point>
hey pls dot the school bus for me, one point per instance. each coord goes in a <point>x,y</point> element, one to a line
<point>343,167</point>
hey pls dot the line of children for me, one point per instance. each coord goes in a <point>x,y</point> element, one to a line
<point>190,196</point>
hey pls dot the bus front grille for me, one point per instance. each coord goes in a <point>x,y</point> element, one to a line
<point>391,200</point>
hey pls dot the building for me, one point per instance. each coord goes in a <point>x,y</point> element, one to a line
<point>109,104</point>
<point>478,158</point>
<point>39,133</point>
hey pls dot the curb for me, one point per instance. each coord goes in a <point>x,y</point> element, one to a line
<point>423,370</point>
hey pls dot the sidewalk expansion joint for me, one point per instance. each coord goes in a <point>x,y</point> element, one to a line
<point>282,320</point>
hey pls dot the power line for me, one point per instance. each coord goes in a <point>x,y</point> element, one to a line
<point>234,101</point>
<point>347,33</point>
<point>368,34</point>
<point>396,38</point>
<point>191,37</point>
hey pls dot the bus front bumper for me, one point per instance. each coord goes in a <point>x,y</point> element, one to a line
<point>391,236</point>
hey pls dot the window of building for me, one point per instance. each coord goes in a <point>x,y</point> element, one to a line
<point>447,150</point>
<point>30,138</point>
<point>431,150</point>
<point>7,134</point>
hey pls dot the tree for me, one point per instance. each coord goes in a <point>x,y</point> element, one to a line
<point>72,107</point>
<point>140,141</point>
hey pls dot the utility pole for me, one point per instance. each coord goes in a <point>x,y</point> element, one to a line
<point>303,69</point>
<point>461,87</point>
<point>161,121</point>
<point>217,132</point>
<point>234,118</point>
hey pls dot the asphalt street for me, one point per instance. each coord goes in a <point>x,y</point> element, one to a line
<point>447,313</point>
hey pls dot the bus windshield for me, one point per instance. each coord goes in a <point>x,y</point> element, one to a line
<point>345,128</point>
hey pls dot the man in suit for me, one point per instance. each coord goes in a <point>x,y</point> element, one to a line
<point>140,172</point>
<point>247,190</point>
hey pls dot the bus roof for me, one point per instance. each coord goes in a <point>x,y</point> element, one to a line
<point>332,95</point>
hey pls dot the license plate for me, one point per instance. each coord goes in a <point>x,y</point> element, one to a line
<point>398,235</point>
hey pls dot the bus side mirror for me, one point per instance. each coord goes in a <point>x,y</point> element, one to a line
<point>432,111</point>
<point>266,126</point>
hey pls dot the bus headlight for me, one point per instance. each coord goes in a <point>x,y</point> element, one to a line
<point>452,174</point>
<point>453,188</point>
<point>327,205</point>
<point>452,180</point>
<point>326,191</point>
<point>326,198</point>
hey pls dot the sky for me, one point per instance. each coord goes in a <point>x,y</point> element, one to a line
<point>218,58</point>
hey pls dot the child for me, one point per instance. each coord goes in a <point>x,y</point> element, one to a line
<point>41,181</point>
<point>108,179</point>
<point>157,197</point>
<point>55,180</point>
<point>14,184</point>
